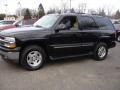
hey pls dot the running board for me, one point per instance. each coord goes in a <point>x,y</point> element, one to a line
<point>72,56</point>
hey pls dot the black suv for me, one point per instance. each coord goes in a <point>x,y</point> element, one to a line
<point>58,36</point>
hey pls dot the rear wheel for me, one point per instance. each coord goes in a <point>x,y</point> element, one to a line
<point>32,57</point>
<point>100,52</point>
<point>118,38</point>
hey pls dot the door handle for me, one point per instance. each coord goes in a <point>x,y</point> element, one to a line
<point>77,35</point>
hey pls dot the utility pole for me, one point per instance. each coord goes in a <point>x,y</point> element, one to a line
<point>6,9</point>
<point>6,5</point>
<point>70,5</point>
<point>20,7</point>
<point>63,6</point>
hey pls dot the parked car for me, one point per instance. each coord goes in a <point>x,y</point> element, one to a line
<point>117,27</point>
<point>14,24</point>
<point>58,36</point>
<point>24,23</point>
<point>6,24</point>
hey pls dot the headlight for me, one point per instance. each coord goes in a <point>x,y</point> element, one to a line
<point>9,39</point>
<point>9,42</point>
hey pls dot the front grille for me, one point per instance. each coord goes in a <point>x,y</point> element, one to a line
<point>1,37</point>
<point>2,42</point>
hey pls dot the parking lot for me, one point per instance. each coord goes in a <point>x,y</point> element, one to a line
<point>72,74</point>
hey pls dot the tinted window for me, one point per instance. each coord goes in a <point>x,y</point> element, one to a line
<point>87,23</point>
<point>104,23</point>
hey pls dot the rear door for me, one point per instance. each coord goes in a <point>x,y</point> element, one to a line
<point>89,31</point>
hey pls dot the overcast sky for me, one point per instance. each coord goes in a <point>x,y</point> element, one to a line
<point>33,4</point>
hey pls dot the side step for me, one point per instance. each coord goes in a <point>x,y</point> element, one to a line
<point>72,56</point>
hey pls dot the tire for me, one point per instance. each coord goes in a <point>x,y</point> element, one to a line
<point>100,52</point>
<point>118,38</point>
<point>32,57</point>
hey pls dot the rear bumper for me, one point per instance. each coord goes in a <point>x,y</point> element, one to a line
<point>9,54</point>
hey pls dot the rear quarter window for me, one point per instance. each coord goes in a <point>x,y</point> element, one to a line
<point>104,23</point>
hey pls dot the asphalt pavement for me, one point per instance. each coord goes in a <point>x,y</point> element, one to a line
<point>71,74</point>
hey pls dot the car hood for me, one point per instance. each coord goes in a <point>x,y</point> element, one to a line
<point>22,31</point>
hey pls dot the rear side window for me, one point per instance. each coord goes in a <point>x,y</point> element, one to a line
<point>103,23</point>
<point>87,23</point>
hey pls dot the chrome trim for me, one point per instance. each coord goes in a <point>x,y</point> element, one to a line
<point>2,40</point>
<point>72,45</point>
<point>7,40</point>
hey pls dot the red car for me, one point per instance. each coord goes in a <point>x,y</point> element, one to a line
<point>13,24</point>
<point>6,24</point>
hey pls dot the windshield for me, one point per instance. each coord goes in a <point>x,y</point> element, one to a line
<point>46,21</point>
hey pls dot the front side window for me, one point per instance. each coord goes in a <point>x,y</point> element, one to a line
<point>47,21</point>
<point>69,23</point>
<point>87,23</point>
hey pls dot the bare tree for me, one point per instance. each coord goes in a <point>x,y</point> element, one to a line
<point>91,11</point>
<point>64,6</point>
<point>82,8</point>
<point>109,11</point>
<point>101,11</point>
<point>54,10</point>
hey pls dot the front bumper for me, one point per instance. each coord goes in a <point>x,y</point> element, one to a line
<point>9,54</point>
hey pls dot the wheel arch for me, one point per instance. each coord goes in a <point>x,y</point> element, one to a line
<point>106,40</point>
<point>40,43</point>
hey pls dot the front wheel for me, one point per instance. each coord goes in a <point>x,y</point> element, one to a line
<point>100,52</point>
<point>32,57</point>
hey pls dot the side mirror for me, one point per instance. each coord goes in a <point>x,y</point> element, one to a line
<point>61,27</point>
<point>17,25</point>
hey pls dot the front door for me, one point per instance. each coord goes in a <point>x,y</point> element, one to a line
<point>67,40</point>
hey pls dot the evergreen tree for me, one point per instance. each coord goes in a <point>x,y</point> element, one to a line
<point>27,14</point>
<point>2,16</point>
<point>40,11</point>
<point>72,10</point>
<point>117,15</point>
<point>102,12</point>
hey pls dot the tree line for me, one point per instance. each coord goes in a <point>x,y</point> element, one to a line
<point>28,13</point>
